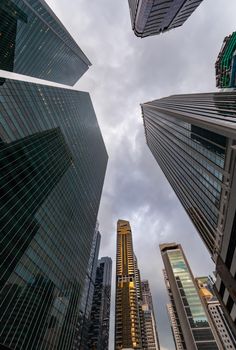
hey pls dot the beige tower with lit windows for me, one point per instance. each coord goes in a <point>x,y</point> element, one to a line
<point>127,319</point>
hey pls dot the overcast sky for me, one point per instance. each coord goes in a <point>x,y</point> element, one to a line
<point>127,71</point>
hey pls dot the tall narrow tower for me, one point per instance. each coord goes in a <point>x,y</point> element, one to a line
<point>149,318</point>
<point>100,313</point>
<point>187,312</point>
<point>127,318</point>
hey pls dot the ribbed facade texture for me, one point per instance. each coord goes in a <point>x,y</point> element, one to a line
<point>152,341</point>
<point>98,335</point>
<point>34,42</point>
<point>193,324</point>
<point>127,318</point>
<point>226,339</point>
<point>226,63</point>
<point>138,284</point>
<point>193,138</point>
<point>151,17</point>
<point>53,163</point>
<point>175,326</point>
<point>82,328</point>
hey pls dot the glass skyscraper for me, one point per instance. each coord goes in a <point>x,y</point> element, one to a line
<point>53,162</point>
<point>34,42</point>
<point>194,330</point>
<point>98,335</point>
<point>193,139</point>
<point>155,17</point>
<point>81,338</point>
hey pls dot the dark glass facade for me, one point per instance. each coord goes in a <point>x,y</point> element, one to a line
<point>193,138</point>
<point>81,338</point>
<point>98,336</point>
<point>192,318</point>
<point>34,42</point>
<point>155,17</point>
<point>191,154</point>
<point>53,162</point>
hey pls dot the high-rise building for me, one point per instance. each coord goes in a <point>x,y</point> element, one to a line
<point>53,162</point>
<point>151,17</point>
<point>226,63</point>
<point>34,42</point>
<point>193,138</point>
<point>139,298</point>
<point>212,305</point>
<point>81,339</point>
<point>98,335</point>
<point>152,341</point>
<point>193,326</point>
<point>127,317</point>
<point>174,322</point>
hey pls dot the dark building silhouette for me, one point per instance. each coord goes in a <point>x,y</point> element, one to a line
<point>82,328</point>
<point>34,42</point>
<point>98,335</point>
<point>53,163</point>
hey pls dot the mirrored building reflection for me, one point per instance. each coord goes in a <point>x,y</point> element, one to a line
<point>31,309</point>
<point>194,330</point>
<point>25,165</point>
<point>34,42</point>
<point>53,162</point>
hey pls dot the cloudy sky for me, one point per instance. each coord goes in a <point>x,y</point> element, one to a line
<point>127,71</point>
